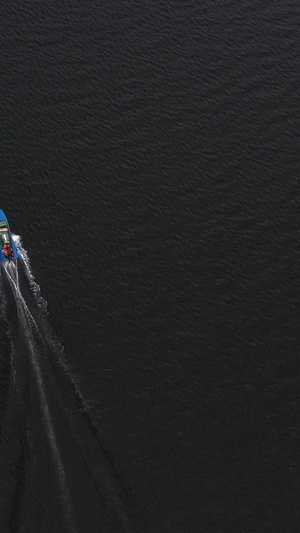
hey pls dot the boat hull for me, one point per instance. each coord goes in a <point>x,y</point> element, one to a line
<point>8,249</point>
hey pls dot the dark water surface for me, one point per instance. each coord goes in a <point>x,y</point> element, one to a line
<point>150,161</point>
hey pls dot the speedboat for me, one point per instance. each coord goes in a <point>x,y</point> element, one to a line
<point>8,250</point>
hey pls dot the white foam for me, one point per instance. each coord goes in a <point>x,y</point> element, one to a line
<point>29,325</point>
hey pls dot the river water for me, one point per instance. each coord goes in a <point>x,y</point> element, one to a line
<point>150,161</point>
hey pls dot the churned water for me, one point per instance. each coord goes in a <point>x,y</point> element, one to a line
<point>54,472</point>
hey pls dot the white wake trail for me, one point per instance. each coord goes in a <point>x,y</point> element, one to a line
<point>29,325</point>
<point>72,436</point>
